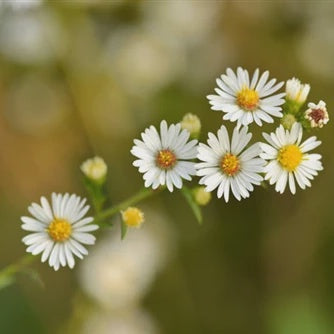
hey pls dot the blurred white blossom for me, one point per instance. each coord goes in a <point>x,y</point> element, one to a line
<point>117,274</point>
<point>36,105</point>
<point>31,37</point>
<point>142,61</point>
<point>316,48</point>
<point>133,321</point>
<point>20,4</point>
<point>186,21</point>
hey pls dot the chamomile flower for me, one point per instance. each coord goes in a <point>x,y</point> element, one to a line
<point>246,100</point>
<point>289,160</point>
<point>228,166</point>
<point>59,230</point>
<point>163,158</point>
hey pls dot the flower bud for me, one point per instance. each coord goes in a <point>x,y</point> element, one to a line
<point>95,169</point>
<point>287,121</point>
<point>192,123</point>
<point>296,91</point>
<point>133,217</point>
<point>317,114</point>
<point>201,196</point>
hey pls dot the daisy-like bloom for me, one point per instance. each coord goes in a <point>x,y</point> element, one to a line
<point>317,114</point>
<point>162,158</point>
<point>246,100</point>
<point>227,165</point>
<point>59,230</point>
<point>296,91</point>
<point>288,158</point>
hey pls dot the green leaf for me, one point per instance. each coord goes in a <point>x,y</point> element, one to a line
<point>186,192</point>
<point>96,192</point>
<point>124,229</point>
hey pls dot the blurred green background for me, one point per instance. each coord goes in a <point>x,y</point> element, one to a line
<point>79,78</point>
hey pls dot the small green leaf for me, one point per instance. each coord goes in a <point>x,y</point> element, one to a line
<point>186,192</point>
<point>124,229</point>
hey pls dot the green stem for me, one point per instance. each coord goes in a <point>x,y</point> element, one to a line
<point>138,197</point>
<point>7,274</point>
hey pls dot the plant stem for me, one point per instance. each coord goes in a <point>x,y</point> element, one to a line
<point>7,274</point>
<point>138,197</point>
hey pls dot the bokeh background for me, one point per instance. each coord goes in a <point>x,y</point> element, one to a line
<point>79,78</point>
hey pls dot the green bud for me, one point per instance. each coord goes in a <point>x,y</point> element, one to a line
<point>201,196</point>
<point>287,121</point>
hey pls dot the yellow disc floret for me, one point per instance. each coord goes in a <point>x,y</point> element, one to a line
<point>166,159</point>
<point>289,157</point>
<point>59,230</point>
<point>133,217</point>
<point>230,164</point>
<point>248,99</point>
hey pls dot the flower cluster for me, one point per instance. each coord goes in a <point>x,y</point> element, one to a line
<point>234,164</point>
<point>229,164</point>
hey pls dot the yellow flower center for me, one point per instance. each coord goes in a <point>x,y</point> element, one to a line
<point>166,159</point>
<point>248,99</point>
<point>133,217</point>
<point>230,164</point>
<point>59,230</point>
<point>289,157</point>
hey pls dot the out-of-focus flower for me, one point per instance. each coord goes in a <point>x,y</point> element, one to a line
<point>244,100</point>
<point>131,321</point>
<point>133,217</point>
<point>168,18</point>
<point>192,123</point>
<point>118,273</point>
<point>142,61</point>
<point>36,105</point>
<point>288,158</point>
<point>296,91</point>
<point>225,167</point>
<point>31,37</point>
<point>20,4</point>
<point>95,169</point>
<point>317,114</point>
<point>201,196</point>
<point>59,230</point>
<point>163,157</point>
<point>196,44</point>
<point>318,35</point>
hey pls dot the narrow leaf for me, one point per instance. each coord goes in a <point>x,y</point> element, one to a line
<point>186,192</point>
<point>124,229</point>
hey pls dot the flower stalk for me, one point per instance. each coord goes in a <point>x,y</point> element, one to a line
<point>138,197</point>
<point>7,274</point>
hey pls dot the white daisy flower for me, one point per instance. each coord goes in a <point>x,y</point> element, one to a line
<point>317,114</point>
<point>245,100</point>
<point>162,158</point>
<point>225,166</point>
<point>59,229</point>
<point>288,158</point>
